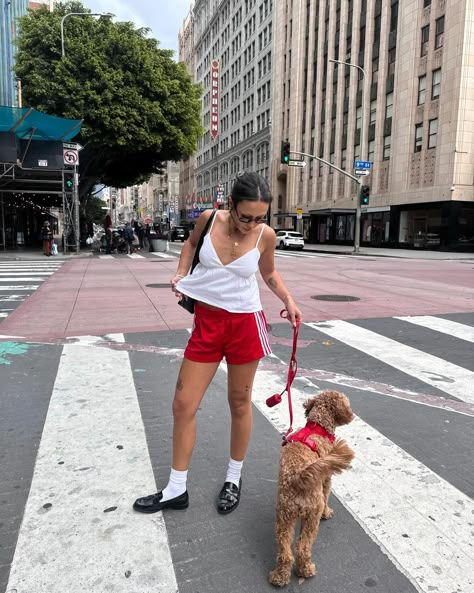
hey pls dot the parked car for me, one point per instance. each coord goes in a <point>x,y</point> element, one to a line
<point>179,233</point>
<point>289,240</point>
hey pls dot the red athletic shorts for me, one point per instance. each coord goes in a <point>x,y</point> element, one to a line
<point>239,337</point>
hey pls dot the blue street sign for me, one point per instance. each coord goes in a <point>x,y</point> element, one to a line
<point>363,165</point>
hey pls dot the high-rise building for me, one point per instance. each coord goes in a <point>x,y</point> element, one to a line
<point>11,11</point>
<point>233,62</point>
<point>408,108</point>
<point>186,168</point>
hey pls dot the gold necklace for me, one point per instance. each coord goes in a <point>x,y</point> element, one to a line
<point>235,244</point>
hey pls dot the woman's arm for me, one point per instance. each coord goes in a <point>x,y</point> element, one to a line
<point>273,279</point>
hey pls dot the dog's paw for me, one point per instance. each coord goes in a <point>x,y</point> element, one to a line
<point>306,570</point>
<point>277,578</point>
<point>327,513</point>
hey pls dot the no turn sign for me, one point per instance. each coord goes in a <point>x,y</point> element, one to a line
<point>71,157</point>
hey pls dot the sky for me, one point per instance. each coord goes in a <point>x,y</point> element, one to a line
<point>163,17</point>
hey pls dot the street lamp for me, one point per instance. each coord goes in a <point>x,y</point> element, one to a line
<point>102,14</point>
<point>362,144</point>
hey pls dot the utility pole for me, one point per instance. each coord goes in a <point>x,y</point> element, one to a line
<point>361,156</point>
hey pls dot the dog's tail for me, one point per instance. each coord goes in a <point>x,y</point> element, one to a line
<point>335,462</point>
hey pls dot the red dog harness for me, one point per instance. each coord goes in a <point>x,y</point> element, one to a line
<point>302,436</point>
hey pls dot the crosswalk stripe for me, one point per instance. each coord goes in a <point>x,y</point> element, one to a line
<point>106,257</point>
<point>31,287</point>
<point>135,256</point>
<point>417,518</point>
<point>79,532</point>
<point>11,297</point>
<point>443,375</point>
<point>26,273</point>
<point>445,326</point>
<point>160,254</point>
<point>22,278</point>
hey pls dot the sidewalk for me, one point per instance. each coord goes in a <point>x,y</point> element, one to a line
<point>37,254</point>
<point>386,252</point>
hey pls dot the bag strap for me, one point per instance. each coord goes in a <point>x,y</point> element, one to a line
<point>201,241</point>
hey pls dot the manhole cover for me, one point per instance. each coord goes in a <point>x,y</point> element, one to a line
<point>165,285</point>
<point>334,297</point>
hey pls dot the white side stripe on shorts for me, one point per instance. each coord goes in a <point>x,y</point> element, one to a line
<point>263,332</point>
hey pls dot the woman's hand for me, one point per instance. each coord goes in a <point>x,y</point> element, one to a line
<point>174,281</point>
<point>293,311</point>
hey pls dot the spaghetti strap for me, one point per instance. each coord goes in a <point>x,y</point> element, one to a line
<point>212,223</point>
<point>261,233</point>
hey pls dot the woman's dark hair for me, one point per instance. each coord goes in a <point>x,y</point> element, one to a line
<point>250,187</point>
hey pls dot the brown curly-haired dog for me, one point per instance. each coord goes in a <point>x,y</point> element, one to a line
<point>304,481</point>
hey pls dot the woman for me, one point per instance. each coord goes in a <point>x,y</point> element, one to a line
<point>47,237</point>
<point>229,322</point>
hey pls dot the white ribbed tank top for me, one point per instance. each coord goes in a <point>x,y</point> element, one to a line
<point>232,287</point>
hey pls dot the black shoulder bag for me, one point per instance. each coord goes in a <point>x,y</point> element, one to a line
<point>188,302</point>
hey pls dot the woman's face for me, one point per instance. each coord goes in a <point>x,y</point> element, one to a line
<point>247,214</point>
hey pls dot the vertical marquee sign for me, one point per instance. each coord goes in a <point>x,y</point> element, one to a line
<point>214,99</point>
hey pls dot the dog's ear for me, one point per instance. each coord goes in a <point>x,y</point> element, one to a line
<point>308,404</point>
<point>343,411</point>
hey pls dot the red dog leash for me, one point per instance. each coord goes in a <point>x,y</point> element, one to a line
<point>293,367</point>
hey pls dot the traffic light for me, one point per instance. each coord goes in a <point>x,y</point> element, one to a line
<point>285,153</point>
<point>364,195</point>
<point>68,181</point>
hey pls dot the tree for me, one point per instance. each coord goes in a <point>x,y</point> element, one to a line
<point>140,108</point>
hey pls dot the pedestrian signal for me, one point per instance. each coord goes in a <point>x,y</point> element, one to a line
<point>285,153</point>
<point>364,195</point>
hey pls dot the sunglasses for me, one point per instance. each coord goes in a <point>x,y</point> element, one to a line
<point>247,219</point>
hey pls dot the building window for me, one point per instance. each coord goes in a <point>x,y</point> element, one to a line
<point>418,137</point>
<point>425,37</point>
<point>388,105</point>
<point>426,3</point>
<point>436,83</point>
<point>421,90</point>
<point>387,142</point>
<point>371,150</point>
<point>373,111</point>
<point>358,118</point>
<point>433,133</point>
<point>439,36</point>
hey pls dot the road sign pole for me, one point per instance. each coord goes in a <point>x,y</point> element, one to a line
<point>76,211</point>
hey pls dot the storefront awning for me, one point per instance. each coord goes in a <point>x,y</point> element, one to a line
<point>26,122</point>
<point>328,211</point>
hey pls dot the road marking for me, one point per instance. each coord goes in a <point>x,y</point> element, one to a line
<point>106,257</point>
<point>22,278</point>
<point>79,532</point>
<point>39,273</point>
<point>31,287</point>
<point>11,297</point>
<point>160,254</point>
<point>135,256</point>
<point>445,326</point>
<point>419,520</point>
<point>3,315</point>
<point>439,373</point>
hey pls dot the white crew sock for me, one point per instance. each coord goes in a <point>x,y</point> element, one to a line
<point>176,485</point>
<point>233,471</point>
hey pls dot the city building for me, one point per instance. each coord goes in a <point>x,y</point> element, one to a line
<point>233,63</point>
<point>11,11</point>
<point>410,111</point>
<point>186,168</point>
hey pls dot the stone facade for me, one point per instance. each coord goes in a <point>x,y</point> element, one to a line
<point>413,110</point>
<point>238,33</point>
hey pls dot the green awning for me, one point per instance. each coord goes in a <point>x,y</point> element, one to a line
<point>28,123</point>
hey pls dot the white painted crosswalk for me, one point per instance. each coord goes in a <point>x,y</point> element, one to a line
<point>22,277</point>
<point>95,457</point>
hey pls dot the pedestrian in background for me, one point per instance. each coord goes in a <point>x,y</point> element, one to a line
<point>229,322</point>
<point>128,236</point>
<point>47,238</point>
<point>108,233</point>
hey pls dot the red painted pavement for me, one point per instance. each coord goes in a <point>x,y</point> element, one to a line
<point>100,296</point>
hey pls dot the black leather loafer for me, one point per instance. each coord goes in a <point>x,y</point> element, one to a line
<point>229,497</point>
<point>153,504</point>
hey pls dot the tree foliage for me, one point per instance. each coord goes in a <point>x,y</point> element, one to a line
<point>140,108</point>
